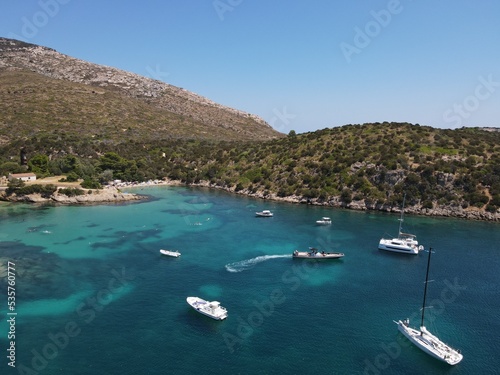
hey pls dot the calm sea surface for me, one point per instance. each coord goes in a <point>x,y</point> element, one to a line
<point>94,296</point>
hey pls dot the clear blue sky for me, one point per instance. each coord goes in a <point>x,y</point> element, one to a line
<point>301,65</point>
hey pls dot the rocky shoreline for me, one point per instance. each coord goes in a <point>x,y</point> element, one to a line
<point>93,196</point>
<point>437,211</point>
<point>112,194</point>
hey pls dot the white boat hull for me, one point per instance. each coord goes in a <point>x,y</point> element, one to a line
<point>430,344</point>
<point>264,214</point>
<point>318,255</point>
<point>399,246</point>
<point>324,221</point>
<point>210,309</point>
<point>405,243</point>
<point>169,253</point>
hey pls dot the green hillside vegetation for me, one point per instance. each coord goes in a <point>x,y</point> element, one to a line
<point>371,162</point>
<point>376,163</point>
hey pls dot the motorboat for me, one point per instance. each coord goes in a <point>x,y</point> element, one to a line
<point>405,242</point>
<point>314,253</point>
<point>324,221</point>
<point>170,253</point>
<point>265,213</point>
<point>425,340</point>
<point>212,309</point>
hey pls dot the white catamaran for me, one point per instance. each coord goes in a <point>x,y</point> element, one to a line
<point>405,242</point>
<point>426,341</point>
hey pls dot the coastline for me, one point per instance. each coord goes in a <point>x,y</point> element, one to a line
<point>92,196</point>
<point>112,194</point>
<point>335,202</point>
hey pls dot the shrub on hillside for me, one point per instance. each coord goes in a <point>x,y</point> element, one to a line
<point>90,183</point>
<point>71,192</point>
<point>44,190</point>
<point>346,196</point>
<point>14,185</point>
<point>71,177</point>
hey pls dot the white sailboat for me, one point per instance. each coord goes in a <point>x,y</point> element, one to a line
<point>425,340</point>
<point>405,242</point>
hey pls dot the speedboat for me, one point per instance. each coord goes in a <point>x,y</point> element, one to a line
<point>170,253</point>
<point>324,221</point>
<point>212,309</point>
<point>265,213</point>
<point>314,253</point>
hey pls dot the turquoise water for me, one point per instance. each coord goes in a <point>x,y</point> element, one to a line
<point>94,296</point>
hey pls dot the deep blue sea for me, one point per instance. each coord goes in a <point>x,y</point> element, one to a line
<point>94,296</point>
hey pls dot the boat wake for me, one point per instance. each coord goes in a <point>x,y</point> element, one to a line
<point>244,265</point>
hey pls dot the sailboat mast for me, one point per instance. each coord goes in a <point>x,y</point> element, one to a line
<point>402,216</point>
<point>425,288</point>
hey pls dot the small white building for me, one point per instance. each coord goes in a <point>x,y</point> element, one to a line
<point>23,176</point>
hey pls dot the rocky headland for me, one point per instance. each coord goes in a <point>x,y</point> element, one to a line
<point>92,196</point>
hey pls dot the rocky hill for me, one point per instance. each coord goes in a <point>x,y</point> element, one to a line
<point>43,90</point>
<point>98,123</point>
<point>442,172</point>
